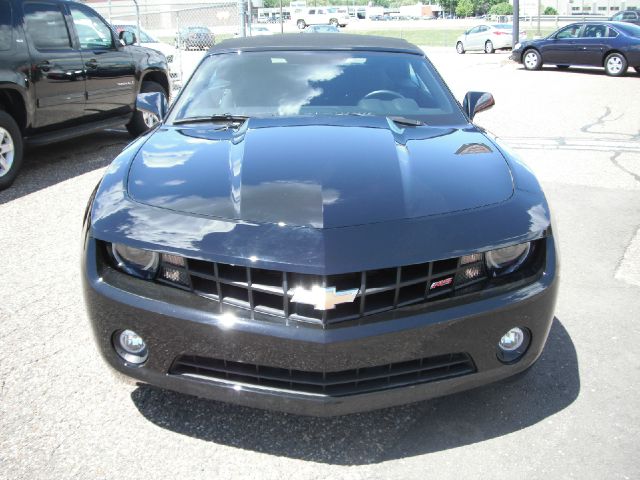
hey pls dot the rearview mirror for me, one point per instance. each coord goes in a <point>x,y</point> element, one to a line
<point>475,102</point>
<point>152,103</point>
<point>127,38</point>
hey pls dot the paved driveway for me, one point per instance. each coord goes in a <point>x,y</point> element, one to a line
<point>575,414</point>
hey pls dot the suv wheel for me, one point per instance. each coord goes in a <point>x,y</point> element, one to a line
<point>10,150</point>
<point>141,121</point>
<point>531,60</point>
<point>615,65</point>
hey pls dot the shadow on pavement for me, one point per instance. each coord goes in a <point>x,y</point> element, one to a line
<point>549,386</point>
<point>47,165</point>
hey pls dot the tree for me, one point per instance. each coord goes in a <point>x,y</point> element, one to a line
<point>504,8</point>
<point>464,8</point>
<point>448,6</point>
<point>550,11</point>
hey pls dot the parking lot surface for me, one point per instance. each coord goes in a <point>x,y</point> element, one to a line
<point>573,415</point>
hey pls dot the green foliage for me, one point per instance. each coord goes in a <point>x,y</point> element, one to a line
<point>275,3</point>
<point>399,3</point>
<point>448,6</point>
<point>465,8</point>
<point>550,11</point>
<point>504,8</point>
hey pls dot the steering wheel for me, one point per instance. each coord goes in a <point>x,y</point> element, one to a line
<point>375,93</point>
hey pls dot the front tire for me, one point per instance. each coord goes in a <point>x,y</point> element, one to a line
<point>488,47</point>
<point>615,65</point>
<point>460,48</point>
<point>141,122</point>
<point>301,24</point>
<point>333,22</point>
<point>531,60</point>
<point>11,148</point>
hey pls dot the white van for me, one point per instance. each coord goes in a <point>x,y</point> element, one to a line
<point>320,16</point>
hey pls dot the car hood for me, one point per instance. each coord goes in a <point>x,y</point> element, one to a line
<point>318,173</point>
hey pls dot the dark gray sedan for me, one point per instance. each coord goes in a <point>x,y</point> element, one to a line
<point>612,45</point>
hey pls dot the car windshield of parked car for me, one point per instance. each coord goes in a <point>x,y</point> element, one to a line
<point>630,29</point>
<point>292,83</point>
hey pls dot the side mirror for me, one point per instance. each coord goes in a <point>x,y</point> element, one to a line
<point>154,104</point>
<point>475,102</point>
<point>127,38</point>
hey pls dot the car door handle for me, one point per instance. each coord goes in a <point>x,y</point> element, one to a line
<point>44,66</point>
<point>93,63</point>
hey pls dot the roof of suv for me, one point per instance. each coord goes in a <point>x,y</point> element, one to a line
<point>317,41</point>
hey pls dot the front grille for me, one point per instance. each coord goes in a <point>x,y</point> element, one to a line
<point>270,292</point>
<point>334,384</point>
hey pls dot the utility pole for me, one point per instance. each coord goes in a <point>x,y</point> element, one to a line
<point>515,38</point>
<point>241,13</point>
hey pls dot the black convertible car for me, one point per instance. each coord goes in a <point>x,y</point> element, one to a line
<point>612,45</point>
<point>316,226</point>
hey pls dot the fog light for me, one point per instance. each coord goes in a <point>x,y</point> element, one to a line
<point>512,339</point>
<point>513,344</point>
<point>130,346</point>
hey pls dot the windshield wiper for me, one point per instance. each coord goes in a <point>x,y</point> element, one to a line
<point>400,120</point>
<point>411,122</point>
<point>218,117</point>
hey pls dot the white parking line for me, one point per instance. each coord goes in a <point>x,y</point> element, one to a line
<point>629,268</point>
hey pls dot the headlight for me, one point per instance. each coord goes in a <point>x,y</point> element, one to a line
<point>134,261</point>
<point>508,259</point>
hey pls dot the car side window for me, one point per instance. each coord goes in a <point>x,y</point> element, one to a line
<point>93,33</point>
<point>6,24</point>
<point>46,26</point>
<point>594,31</point>
<point>474,30</point>
<point>571,31</point>
<point>629,16</point>
<point>612,33</point>
<point>483,28</point>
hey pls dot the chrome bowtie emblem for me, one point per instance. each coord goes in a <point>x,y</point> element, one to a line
<point>323,298</point>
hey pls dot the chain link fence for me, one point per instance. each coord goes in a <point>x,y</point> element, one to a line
<point>183,32</point>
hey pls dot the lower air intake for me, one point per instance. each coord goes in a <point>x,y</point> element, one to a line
<point>334,384</point>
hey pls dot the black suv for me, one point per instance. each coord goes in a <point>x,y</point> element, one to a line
<point>65,73</point>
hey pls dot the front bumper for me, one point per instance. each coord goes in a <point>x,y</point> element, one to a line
<point>176,323</point>
<point>516,55</point>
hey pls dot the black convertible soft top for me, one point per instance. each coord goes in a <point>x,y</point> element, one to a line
<point>317,41</point>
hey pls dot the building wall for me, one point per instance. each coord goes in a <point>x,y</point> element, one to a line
<point>578,7</point>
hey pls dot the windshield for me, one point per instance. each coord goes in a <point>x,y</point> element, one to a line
<point>289,83</point>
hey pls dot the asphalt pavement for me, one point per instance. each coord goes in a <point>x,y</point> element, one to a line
<point>573,415</point>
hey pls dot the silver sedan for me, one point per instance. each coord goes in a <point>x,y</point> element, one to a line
<point>487,37</point>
